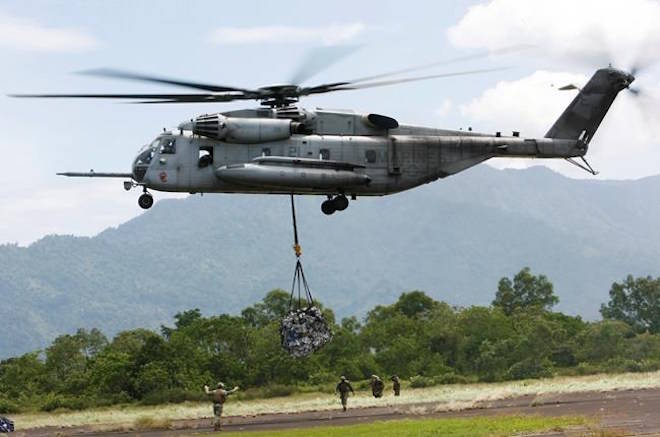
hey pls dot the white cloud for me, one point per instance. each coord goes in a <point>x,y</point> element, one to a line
<point>623,147</point>
<point>595,32</point>
<point>23,34</point>
<point>328,35</point>
<point>566,34</point>
<point>445,107</point>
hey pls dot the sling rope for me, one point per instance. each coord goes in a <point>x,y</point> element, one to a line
<point>299,283</point>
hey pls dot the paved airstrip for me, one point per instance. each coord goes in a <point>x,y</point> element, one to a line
<point>626,412</point>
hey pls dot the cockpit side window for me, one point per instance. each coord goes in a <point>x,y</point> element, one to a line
<point>168,146</point>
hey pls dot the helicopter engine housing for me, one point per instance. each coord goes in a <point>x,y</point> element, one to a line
<point>242,130</point>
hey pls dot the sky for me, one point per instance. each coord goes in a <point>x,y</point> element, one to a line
<point>256,43</point>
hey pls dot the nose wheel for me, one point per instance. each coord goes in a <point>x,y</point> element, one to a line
<point>338,203</point>
<point>145,200</point>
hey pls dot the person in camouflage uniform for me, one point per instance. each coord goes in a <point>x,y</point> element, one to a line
<point>219,396</point>
<point>343,388</point>
<point>396,385</point>
<point>377,386</point>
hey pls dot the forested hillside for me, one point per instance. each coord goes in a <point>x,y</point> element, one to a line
<point>422,340</point>
<point>453,239</point>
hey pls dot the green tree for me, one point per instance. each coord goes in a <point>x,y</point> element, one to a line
<point>602,341</point>
<point>181,320</point>
<point>525,292</point>
<point>272,308</point>
<point>21,375</point>
<point>635,301</point>
<point>414,303</point>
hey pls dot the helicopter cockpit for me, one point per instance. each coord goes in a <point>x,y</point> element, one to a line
<point>164,145</point>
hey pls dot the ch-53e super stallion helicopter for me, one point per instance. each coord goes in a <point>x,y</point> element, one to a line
<point>281,148</point>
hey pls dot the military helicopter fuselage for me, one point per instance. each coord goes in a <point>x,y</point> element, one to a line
<point>282,148</point>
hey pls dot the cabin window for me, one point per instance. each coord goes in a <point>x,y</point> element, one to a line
<point>370,155</point>
<point>324,154</point>
<point>168,146</point>
<point>265,151</point>
<point>205,157</point>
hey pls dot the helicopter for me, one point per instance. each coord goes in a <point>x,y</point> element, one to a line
<point>283,148</point>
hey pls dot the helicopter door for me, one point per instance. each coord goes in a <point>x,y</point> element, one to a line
<point>393,159</point>
<point>186,161</point>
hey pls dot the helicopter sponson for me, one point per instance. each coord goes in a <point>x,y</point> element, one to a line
<point>279,171</point>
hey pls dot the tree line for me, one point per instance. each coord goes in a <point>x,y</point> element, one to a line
<point>422,340</point>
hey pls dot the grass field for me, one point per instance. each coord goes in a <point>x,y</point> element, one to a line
<point>472,427</point>
<point>440,398</point>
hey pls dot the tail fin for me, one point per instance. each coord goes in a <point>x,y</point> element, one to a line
<point>582,117</point>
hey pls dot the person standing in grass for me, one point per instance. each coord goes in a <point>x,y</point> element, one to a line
<point>396,385</point>
<point>219,396</point>
<point>343,388</point>
<point>377,386</point>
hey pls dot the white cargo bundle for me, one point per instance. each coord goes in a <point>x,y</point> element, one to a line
<point>304,331</point>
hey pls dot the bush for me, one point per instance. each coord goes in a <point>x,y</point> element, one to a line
<point>563,356</point>
<point>278,391</point>
<point>419,381</point>
<point>528,369</point>
<point>54,402</point>
<point>620,364</point>
<point>8,407</point>
<point>452,378</point>
<point>266,392</point>
<point>587,369</point>
<point>172,396</point>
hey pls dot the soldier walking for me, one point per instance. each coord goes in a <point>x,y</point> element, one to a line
<point>396,385</point>
<point>377,386</point>
<point>219,396</point>
<point>343,388</point>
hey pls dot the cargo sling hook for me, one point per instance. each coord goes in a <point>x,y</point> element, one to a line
<point>299,281</point>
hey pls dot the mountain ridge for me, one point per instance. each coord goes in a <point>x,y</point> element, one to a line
<point>453,238</point>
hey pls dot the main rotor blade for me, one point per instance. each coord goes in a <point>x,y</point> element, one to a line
<point>197,99</point>
<point>480,55</point>
<point>350,86</point>
<point>107,72</point>
<point>202,97</point>
<point>318,60</point>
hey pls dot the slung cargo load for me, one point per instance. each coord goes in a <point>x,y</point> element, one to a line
<point>304,331</point>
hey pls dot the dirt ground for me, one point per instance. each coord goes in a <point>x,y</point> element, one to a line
<point>630,412</point>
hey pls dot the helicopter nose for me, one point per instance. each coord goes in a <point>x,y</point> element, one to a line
<point>139,169</point>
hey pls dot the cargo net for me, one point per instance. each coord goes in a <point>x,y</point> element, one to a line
<point>303,330</point>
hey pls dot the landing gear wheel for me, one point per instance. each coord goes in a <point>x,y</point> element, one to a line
<point>340,202</point>
<point>328,207</point>
<point>145,201</point>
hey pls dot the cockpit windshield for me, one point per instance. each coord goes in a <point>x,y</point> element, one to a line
<point>168,146</point>
<point>146,154</point>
